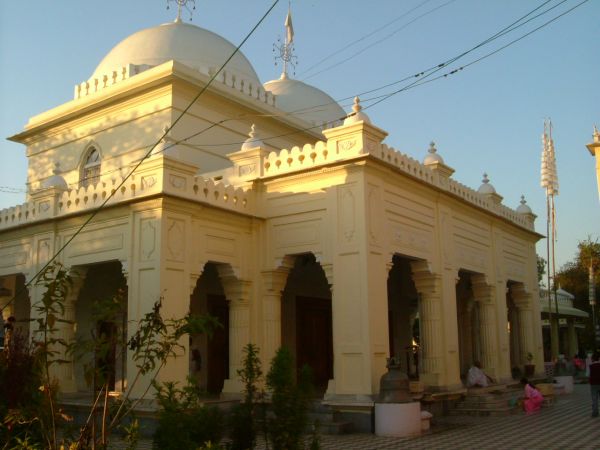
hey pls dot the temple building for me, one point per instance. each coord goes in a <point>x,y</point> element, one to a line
<point>560,318</point>
<point>273,209</point>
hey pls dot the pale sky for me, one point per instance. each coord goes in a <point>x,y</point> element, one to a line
<point>486,118</point>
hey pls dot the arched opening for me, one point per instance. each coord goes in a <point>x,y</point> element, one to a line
<point>209,357</point>
<point>101,316</point>
<point>513,329</point>
<point>14,302</point>
<point>306,319</point>
<point>403,316</point>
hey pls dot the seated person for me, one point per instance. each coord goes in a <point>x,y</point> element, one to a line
<point>532,398</point>
<point>476,377</point>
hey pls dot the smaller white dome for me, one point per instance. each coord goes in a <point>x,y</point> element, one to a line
<point>523,207</point>
<point>358,115</point>
<point>304,101</point>
<point>432,157</point>
<point>55,181</point>
<point>486,187</point>
<point>253,140</point>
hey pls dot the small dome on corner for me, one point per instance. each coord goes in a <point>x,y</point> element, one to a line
<point>55,181</point>
<point>523,208</point>
<point>432,156</point>
<point>486,187</point>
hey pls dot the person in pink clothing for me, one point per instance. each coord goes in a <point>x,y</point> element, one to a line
<point>532,398</point>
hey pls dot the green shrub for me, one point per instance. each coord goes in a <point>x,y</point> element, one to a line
<point>289,402</point>
<point>242,420</point>
<point>183,422</point>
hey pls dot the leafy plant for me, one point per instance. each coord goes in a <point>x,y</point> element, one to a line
<point>289,401</point>
<point>184,422</point>
<point>155,341</point>
<point>243,416</point>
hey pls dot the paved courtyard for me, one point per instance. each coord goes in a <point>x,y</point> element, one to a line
<point>566,425</point>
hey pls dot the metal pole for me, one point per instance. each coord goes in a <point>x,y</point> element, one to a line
<point>552,355</point>
<point>554,287</point>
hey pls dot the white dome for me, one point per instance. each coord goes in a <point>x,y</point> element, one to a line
<point>523,208</point>
<point>432,156</point>
<point>306,102</point>
<point>193,46</point>
<point>55,180</point>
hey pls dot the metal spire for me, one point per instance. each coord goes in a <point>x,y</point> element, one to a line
<point>285,50</point>
<point>549,181</point>
<point>183,4</point>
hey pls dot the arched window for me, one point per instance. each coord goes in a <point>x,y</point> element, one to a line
<point>90,172</point>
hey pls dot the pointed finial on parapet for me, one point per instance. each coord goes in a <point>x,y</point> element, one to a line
<point>357,115</point>
<point>432,156</point>
<point>596,135</point>
<point>253,140</point>
<point>524,208</point>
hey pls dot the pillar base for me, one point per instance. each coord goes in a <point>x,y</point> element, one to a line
<point>398,419</point>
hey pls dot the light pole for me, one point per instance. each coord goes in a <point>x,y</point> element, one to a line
<point>549,181</point>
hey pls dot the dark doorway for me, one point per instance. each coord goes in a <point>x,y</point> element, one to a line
<point>314,338</point>
<point>218,346</point>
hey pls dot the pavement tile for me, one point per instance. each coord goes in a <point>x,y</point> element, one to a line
<point>565,425</point>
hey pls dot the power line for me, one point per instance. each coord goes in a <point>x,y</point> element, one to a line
<point>165,133</point>
<point>454,71</point>
<point>421,75</point>
<point>366,36</point>
<point>337,64</point>
<point>382,98</point>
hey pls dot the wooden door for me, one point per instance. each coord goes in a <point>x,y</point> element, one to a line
<point>314,340</point>
<point>218,345</point>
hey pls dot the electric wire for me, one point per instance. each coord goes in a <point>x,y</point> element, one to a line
<point>382,98</point>
<point>165,133</point>
<point>388,36</point>
<point>420,75</point>
<point>362,38</point>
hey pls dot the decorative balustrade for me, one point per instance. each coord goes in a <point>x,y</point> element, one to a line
<point>297,158</point>
<point>244,86</point>
<point>109,79</point>
<point>17,215</point>
<point>52,203</point>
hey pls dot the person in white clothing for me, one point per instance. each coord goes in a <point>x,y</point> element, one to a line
<point>476,377</point>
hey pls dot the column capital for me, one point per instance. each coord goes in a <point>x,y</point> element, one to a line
<point>426,282</point>
<point>521,297</point>
<point>125,268</point>
<point>482,291</point>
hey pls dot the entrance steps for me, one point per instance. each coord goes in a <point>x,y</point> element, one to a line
<point>495,401</point>
<point>327,419</point>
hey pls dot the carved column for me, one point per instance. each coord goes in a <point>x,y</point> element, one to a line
<point>237,293</point>
<point>273,284</point>
<point>571,338</point>
<point>484,295</point>
<point>429,287</point>
<point>66,372</point>
<point>522,301</point>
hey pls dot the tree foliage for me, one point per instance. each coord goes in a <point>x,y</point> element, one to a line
<point>574,278</point>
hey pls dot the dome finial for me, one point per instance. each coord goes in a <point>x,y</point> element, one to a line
<point>182,4</point>
<point>357,115</point>
<point>286,48</point>
<point>596,134</point>
<point>253,140</point>
<point>485,180</point>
